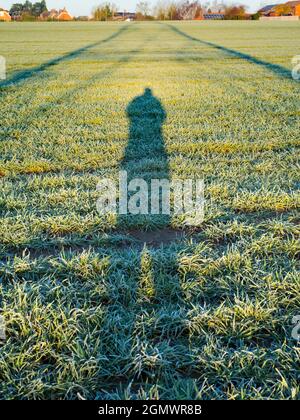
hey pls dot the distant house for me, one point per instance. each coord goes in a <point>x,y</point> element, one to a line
<point>17,16</point>
<point>128,16</point>
<point>52,14</point>
<point>82,18</point>
<point>49,15</point>
<point>295,7</point>
<point>4,16</point>
<point>290,8</point>
<point>62,15</point>
<point>267,10</point>
<point>213,16</point>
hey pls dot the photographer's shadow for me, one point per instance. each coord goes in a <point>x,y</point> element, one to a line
<point>145,156</point>
<point>145,287</point>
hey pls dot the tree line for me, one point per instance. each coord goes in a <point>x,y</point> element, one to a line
<point>162,10</point>
<point>174,10</point>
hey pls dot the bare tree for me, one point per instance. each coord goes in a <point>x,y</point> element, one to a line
<point>178,10</point>
<point>143,9</point>
<point>104,11</point>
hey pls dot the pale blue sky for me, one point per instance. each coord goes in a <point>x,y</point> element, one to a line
<point>84,7</point>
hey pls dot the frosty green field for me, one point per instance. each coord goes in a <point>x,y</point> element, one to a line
<point>90,311</point>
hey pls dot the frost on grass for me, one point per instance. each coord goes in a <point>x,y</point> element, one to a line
<point>87,311</point>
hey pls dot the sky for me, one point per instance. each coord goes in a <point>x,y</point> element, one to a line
<point>84,7</point>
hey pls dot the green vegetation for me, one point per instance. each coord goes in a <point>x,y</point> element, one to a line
<point>28,11</point>
<point>92,313</point>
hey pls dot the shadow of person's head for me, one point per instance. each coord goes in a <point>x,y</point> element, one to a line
<point>146,116</point>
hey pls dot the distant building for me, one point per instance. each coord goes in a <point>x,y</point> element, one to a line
<point>265,11</point>
<point>128,16</point>
<point>82,18</point>
<point>214,16</point>
<point>4,16</point>
<point>272,10</point>
<point>62,15</point>
<point>49,15</point>
<point>215,12</point>
<point>295,6</point>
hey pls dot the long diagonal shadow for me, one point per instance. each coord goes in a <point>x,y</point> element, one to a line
<point>275,68</point>
<point>28,74</point>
